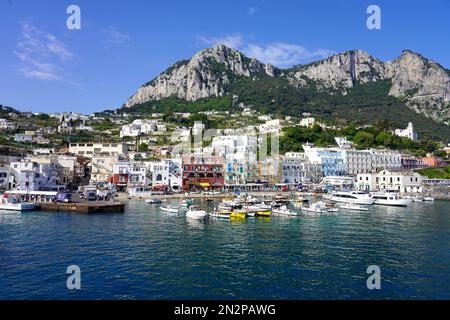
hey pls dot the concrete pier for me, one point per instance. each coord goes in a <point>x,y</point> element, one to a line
<point>83,207</point>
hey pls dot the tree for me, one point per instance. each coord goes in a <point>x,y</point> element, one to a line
<point>143,147</point>
<point>364,139</point>
<point>384,138</point>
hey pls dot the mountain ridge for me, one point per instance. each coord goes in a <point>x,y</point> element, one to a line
<point>421,84</point>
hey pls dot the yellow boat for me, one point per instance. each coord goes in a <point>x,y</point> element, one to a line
<point>265,213</point>
<point>238,214</point>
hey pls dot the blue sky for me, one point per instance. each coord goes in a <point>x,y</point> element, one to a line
<point>122,44</point>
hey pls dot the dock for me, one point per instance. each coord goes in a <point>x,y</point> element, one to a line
<point>89,207</point>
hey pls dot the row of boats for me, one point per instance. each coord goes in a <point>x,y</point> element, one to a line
<point>241,208</point>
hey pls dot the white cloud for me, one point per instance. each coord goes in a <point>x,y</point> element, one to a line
<point>41,54</point>
<point>115,37</point>
<point>280,54</point>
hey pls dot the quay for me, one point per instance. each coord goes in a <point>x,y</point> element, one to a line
<point>82,207</point>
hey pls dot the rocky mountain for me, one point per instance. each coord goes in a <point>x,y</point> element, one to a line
<point>421,84</point>
<point>205,75</point>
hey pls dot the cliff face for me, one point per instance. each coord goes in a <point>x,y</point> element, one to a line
<point>423,85</point>
<point>203,76</point>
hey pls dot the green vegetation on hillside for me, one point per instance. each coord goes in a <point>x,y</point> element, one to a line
<point>436,173</point>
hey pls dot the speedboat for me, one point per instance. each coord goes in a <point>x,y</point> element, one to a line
<point>284,211</point>
<point>353,197</point>
<point>390,199</point>
<point>196,213</point>
<point>169,209</point>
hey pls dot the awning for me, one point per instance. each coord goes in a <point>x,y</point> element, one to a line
<point>204,184</point>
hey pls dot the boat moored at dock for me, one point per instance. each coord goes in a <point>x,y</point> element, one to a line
<point>352,197</point>
<point>390,199</point>
<point>12,203</point>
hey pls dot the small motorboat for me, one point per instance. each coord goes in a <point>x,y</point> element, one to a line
<point>196,213</point>
<point>418,199</point>
<point>153,201</point>
<point>283,210</point>
<point>314,208</point>
<point>169,209</point>
<point>428,199</point>
<point>186,203</point>
<point>354,207</point>
<point>221,214</point>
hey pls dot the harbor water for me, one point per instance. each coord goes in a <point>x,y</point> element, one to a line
<point>149,254</point>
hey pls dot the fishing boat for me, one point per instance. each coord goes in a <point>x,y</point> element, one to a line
<point>153,201</point>
<point>353,207</point>
<point>238,214</point>
<point>283,210</point>
<point>390,199</point>
<point>13,204</point>
<point>169,209</point>
<point>196,213</point>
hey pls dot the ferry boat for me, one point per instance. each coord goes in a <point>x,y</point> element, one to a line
<point>13,204</point>
<point>353,197</point>
<point>390,199</point>
<point>196,213</point>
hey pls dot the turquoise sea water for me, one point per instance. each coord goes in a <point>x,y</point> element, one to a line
<point>148,254</point>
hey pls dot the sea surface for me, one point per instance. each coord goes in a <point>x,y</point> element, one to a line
<point>148,254</point>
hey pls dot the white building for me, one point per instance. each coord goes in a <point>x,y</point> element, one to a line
<point>167,172</point>
<point>343,143</point>
<point>307,122</point>
<point>20,137</point>
<point>198,128</point>
<point>408,132</point>
<point>271,126</point>
<point>101,167</point>
<point>7,125</point>
<point>32,176</point>
<point>142,127</point>
<point>406,182</point>
<point>296,169</point>
<point>90,149</point>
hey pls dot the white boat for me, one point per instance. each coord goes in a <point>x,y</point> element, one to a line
<point>418,199</point>
<point>220,214</point>
<point>169,209</point>
<point>354,207</point>
<point>195,213</point>
<point>428,199</point>
<point>153,201</point>
<point>284,211</point>
<point>352,197</point>
<point>390,199</point>
<point>12,204</point>
<point>314,208</point>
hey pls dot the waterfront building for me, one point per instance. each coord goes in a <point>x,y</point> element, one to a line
<point>90,149</point>
<point>296,169</point>
<point>359,161</point>
<point>34,176</point>
<point>387,160</point>
<point>331,160</point>
<point>408,132</point>
<point>166,174</point>
<point>409,182</point>
<point>202,172</point>
<point>6,179</point>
